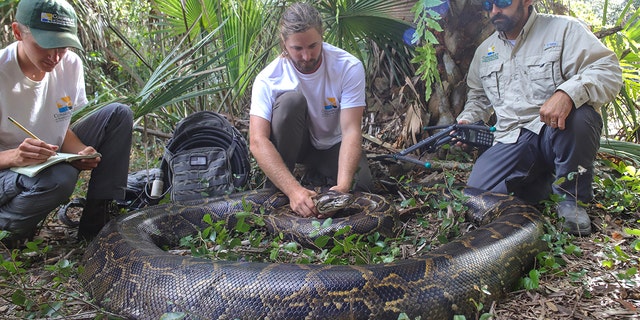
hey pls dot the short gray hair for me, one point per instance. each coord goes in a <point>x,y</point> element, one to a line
<point>300,17</point>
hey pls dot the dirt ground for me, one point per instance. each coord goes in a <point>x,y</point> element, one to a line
<point>600,281</point>
<point>587,290</point>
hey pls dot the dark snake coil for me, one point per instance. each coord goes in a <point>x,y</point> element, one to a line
<point>127,273</point>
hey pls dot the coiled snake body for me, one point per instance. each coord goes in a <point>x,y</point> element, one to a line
<point>127,273</point>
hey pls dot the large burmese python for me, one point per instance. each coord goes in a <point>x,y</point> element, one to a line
<point>127,272</point>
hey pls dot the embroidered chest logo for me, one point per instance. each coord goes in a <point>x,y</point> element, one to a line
<point>550,45</point>
<point>491,54</point>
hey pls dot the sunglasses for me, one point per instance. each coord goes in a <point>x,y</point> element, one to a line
<point>487,5</point>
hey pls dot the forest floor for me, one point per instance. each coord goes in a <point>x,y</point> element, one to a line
<point>585,288</point>
<point>598,281</point>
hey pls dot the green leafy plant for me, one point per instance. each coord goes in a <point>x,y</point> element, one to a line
<point>427,21</point>
<point>44,296</point>
<point>625,44</point>
<point>373,31</point>
<point>618,192</point>
<point>551,262</point>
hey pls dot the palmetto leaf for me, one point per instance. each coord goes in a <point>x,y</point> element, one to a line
<point>177,77</point>
<point>181,15</point>
<point>625,43</point>
<point>621,149</point>
<point>352,24</point>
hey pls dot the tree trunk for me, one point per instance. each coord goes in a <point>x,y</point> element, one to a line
<point>465,26</point>
<point>401,113</point>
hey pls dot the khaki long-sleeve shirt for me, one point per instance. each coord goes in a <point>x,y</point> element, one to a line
<point>551,53</point>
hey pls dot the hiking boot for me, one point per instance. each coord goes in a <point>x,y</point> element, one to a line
<point>576,220</point>
<point>95,215</point>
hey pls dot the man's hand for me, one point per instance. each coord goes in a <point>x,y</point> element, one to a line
<point>302,204</point>
<point>86,164</point>
<point>32,151</point>
<point>461,144</point>
<point>556,109</point>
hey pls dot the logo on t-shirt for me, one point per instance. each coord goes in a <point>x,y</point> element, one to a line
<point>330,108</point>
<point>332,104</point>
<point>65,106</point>
<point>64,109</point>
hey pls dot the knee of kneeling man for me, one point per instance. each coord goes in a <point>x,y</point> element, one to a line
<point>123,111</point>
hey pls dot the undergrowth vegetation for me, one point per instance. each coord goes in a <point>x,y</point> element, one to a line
<point>38,283</point>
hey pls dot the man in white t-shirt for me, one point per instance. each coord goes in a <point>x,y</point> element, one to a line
<point>306,107</point>
<point>42,85</point>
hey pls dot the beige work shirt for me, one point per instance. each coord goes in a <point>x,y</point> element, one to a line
<point>551,53</point>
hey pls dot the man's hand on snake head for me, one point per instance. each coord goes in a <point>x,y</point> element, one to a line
<point>302,204</point>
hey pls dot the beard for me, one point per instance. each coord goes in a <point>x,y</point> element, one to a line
<point>504,23</point>
<point>307,66</point>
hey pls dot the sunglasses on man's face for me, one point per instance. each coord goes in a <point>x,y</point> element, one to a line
<point>487,5</point>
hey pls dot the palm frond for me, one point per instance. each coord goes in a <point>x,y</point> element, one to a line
<point>621,149</point>
<point>625,44</point>
<point>353,24</point>
<point>247,21</point>
<point>178,76</point>
<point>181,15</point>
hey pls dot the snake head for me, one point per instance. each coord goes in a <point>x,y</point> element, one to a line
<point>328,202</point>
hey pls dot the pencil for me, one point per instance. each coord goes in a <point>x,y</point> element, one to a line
<point>23,128</point>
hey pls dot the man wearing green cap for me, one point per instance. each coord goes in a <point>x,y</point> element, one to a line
<point>42,85</point>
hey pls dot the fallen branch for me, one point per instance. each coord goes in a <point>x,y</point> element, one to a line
<point>379,142</point>
<point>156,133</point>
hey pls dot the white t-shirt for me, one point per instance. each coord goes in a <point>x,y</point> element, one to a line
<point>43,107</point>
<point>338,84</point>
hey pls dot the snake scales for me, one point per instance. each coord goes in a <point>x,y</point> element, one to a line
<point>127,273</point>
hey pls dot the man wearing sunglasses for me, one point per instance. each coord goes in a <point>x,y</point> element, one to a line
<point>545,77</point>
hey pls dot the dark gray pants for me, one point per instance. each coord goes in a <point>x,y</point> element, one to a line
<point>24,201</point>
<point>290,135</point>
<point>529,167</point>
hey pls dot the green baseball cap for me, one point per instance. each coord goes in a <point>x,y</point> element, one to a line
<point>53,23</point>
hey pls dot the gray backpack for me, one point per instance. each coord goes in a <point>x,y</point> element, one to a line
<point>207,156</point>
